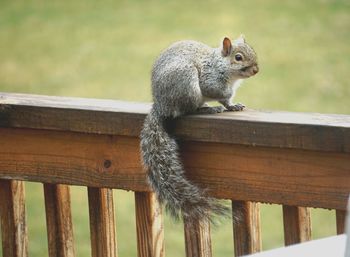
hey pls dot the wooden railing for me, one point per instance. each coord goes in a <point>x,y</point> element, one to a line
<point>297,160</point>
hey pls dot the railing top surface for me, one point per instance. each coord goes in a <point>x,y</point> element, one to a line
<point>308,131</point>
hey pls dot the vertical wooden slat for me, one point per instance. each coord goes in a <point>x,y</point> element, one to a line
<point>13,218</point>
<point>149,225</point>
<point>102,225</point>
<point>197,239</point>
<point>59,220</point>
<point>340,218</point>
<point>297,224</point>
<point>246,227</point>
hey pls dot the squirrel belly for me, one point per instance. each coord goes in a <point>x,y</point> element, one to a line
<point>167,177</point>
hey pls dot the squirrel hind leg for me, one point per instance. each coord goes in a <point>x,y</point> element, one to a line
<point>210,110</point>
<point>177,91</point>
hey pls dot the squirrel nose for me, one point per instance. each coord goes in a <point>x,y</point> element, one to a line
<point>255,69</point>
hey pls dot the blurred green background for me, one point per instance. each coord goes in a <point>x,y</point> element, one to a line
<point>106,49</point>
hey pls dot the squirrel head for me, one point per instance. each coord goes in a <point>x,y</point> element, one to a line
<point>242,57</point>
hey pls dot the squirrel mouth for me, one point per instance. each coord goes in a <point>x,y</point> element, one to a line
<point>244,69</point>
<point>249,71</point>
<point>244,72</point>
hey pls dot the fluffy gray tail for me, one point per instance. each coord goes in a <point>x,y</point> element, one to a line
<point>166,175</point>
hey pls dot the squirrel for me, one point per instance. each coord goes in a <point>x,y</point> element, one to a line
<point>184,77</point>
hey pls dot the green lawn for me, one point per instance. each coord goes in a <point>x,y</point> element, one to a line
<point>106,50</point>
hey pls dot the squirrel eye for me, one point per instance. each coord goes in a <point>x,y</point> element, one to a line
<point>238,57</point>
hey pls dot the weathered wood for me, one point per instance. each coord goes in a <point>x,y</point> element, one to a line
<point>13,219</point>
<point>197,239</point>
<point>59,220</point>
<point>254,128</point>
<point>72,158</point>
<point>71,114</point>
<point>102,226</point>
<point>272,175</point>
<point>297,224</point>
<point>246,227</point>
<point>340,219</point>
<point>229,171</point>
<point>149,225</point>
<point>294,159</point>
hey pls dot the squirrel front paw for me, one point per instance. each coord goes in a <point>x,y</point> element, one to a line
<point>236,107</point>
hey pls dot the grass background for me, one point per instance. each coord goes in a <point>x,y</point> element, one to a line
<point>106,49</point>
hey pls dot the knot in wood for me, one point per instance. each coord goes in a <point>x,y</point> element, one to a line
<point>107,164</point>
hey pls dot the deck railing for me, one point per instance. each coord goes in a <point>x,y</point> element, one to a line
<point>297,160</point>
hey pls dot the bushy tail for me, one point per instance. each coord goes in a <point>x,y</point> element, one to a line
<point>166,175</point>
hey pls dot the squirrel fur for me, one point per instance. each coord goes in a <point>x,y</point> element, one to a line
<point>184,77</point>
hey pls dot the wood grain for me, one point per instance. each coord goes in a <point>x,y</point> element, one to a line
<point>263,174</point>
<point>246,227</point>
<point>13,219</point>
<point>294,159</point>
<point>197,239</point>
<point>297,224</point>
<point>340,219</point>
<point>59,220</point>
<point>149,226</point>
<point>72,158</point>
<point>102,225</point>
<point>259,174</point>
<point>306,131</point>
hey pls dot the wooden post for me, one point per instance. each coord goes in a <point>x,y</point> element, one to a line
<point>13,218</point>
<point>59,220</point>
<point>149,225</point>
<point>102,226</point>
<point>197,239</point>
<point>246,227</point>
<point>297,224</point>
<point>340,219</point>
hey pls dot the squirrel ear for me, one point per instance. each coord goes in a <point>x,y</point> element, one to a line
<point>239,40</point>
<point>226,47</point>
<point>242,37</point>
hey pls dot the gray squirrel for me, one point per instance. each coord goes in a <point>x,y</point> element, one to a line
<point>184,77</point>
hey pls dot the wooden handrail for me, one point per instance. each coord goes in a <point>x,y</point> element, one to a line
<point>305,131</point>
<point>298,160</point>
<point>285,148</point>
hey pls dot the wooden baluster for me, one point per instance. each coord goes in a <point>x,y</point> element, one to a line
<point>340,217</point>
<point>59,220</point>
<point>197,239</point>
<point>13,218</point>
<point>246,227</point>
<point>102,225</point>
<point>297,224</point>
<point>149,225</point>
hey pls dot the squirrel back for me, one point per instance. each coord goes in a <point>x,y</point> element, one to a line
<point>184,77</point>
